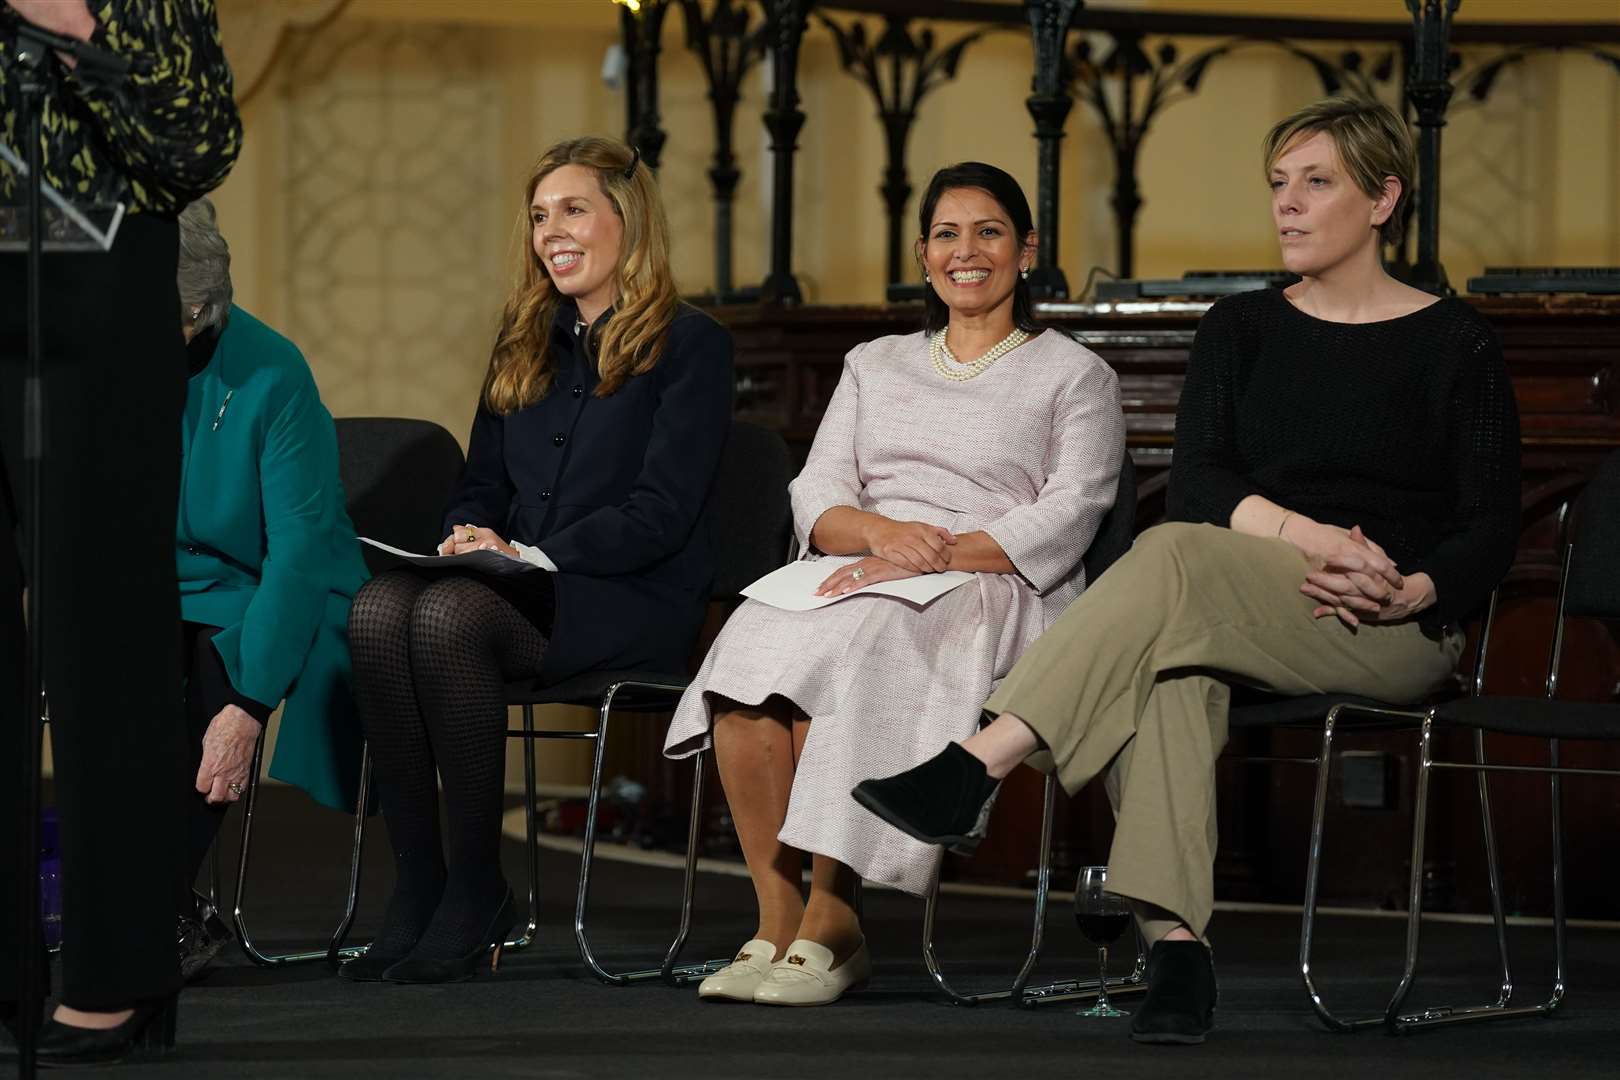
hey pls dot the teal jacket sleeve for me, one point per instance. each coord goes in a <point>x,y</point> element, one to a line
<point>298,460</point>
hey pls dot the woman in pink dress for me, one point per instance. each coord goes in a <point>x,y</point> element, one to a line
<point>986,444</point>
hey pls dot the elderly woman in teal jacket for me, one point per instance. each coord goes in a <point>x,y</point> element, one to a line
<point>268,561</point>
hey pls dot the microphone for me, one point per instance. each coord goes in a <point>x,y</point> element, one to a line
<point>92,59</point>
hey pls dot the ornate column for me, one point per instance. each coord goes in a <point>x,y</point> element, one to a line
<point>643,27</point>
<point>899,70</point>
<point>1429,90</point>
<point>786,25</point>
<point>1049,104</point>
<point>727,47</point>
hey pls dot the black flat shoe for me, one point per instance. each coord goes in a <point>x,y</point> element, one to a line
<point>945,800</point>
<point>1180,1003</point>
<point>422,969</point>
<point>148,1033</point>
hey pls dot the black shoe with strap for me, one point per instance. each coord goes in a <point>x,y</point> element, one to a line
<point>945,800</point>
<point>1180,1003</point>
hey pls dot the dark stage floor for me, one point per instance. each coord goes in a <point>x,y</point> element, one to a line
<point>543,1016</point>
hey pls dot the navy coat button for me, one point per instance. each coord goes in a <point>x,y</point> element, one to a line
<point>544,495</point>
<point>558,439</point>
<point>578,391</point>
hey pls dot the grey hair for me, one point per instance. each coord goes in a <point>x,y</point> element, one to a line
<point>205,268</point>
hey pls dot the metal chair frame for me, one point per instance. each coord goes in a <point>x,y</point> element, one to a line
<point>1021,993</point>
<point>335,950</point>
<point>669,971</point>
<point>1503,1008</point>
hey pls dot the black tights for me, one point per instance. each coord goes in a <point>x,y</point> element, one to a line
<point>431,656</point>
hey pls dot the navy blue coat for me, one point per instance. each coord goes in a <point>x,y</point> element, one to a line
<point>612,490</point>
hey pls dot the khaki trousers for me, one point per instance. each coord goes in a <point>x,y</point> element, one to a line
<point>1135,678</point>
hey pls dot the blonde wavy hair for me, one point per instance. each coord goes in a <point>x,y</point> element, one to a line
<point>521,367</point>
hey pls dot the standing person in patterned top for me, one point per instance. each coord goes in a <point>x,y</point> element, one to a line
<point>1345,489</point>
<point>985,444</point>
<point>115,383</point>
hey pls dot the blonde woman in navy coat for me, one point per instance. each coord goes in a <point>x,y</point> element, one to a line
<point>597,436</point>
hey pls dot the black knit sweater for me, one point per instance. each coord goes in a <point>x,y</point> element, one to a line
<point>1406,427</point>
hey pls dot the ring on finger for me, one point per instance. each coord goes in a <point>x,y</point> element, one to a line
<point>858,573</point>
<point>234,787</point>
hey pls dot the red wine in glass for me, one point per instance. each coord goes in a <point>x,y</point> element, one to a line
<point>1102,917</point>
<point>1105,928</point>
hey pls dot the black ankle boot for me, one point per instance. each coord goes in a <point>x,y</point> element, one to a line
<point>1180,1002</point>
<point>148,1033</point>
<point>945,800</point>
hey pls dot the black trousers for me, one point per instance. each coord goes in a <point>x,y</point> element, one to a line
<point>114,391</point>
<point>208,690</point>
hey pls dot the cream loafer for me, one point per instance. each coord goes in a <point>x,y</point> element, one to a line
<point>805,976</point>
<point>737,980</point>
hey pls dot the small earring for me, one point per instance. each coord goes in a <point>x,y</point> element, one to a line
<point>1024,273</point>
<point>926,278</point>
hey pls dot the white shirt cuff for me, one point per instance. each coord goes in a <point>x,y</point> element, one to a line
<point>535,557</point>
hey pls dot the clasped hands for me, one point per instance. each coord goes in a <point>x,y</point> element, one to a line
<point>900,549</point>
<point>1351,577</point>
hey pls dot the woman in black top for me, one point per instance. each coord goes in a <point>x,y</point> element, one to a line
<point>1345,488</point>
<point>598,435</point>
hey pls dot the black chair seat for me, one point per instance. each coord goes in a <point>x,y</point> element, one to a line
<point>587,689</point>
<point>1535,717</point>
<point>1254,709</point>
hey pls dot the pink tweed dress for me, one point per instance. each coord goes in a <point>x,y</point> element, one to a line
<point>1028,451</point>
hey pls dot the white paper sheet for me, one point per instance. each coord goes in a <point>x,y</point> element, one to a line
<point>793,587</point>
<point>486,562</point>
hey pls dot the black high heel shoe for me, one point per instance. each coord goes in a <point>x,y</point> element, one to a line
<point>148,1033</point>
<point>369,965</point>
<point>415,969</point>
<point>397,927</point>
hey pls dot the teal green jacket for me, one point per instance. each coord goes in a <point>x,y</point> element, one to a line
<point>266,551</point>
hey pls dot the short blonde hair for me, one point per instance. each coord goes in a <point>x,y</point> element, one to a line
<point>1373,143</point>
<point>645,301</point>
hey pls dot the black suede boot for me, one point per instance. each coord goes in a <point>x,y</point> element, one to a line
<point>945,800</point>
<point>1180,1002</point>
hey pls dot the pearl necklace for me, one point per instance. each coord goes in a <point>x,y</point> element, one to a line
<point>946,363</point>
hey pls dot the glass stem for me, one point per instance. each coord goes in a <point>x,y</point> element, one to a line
<point>1102,978</point>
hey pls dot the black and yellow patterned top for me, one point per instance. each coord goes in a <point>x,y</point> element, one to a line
<point>169,134</point>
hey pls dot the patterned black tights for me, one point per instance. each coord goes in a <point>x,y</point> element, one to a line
<point>431,654</point>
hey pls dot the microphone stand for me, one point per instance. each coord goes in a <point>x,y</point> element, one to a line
<point>35,78</point>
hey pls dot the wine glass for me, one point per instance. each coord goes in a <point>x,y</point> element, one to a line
<point>1103,917</point>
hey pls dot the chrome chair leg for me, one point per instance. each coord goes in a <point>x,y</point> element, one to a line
<point>334,949</point>
<point>1439,1016</point>
<point>532,843</point>
<point>1313,874</point>
<point>667,971</point>
<point>1020,992</point>
<point>689,884</point>
<point>1493,872</point>
<point>1560,954</point>
<point>243,937</point>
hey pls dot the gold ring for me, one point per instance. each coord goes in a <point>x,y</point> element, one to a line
<point>472,533</point>
<point>858,573</point>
